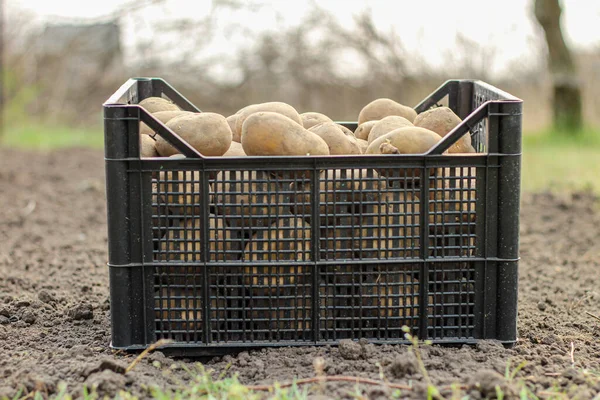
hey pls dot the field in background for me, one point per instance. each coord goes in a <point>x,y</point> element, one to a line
<point>554,161</point>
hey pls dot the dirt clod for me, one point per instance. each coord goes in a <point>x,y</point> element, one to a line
<point>46,297</point>
<point>106,383</point>
<point>350,350</point>
<point>28,317</point>
<point>81,312</point>
<point>403,365</point>
<point>489,383</point>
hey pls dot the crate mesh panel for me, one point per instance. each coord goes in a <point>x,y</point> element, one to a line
<point>451,300</point>
<point>374,302</point>
<point>178,309</point>
<point>260,304</point>
<point>366,214</point>
<point>452,212</point>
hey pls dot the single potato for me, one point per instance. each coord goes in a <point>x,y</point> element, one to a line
<point>162,116</point>
<point>310,119</point>
<point>386,125</point>
<point>273,134</point>
<point>363,130</point>
<point>410,140</point>
<point>362,145</point>
<point>276,107</point>
<point>148,146</point>
<point>338,141</point>
<point>381,108</point>
<point>232,121</point>
<point>209,133</point>
<point>442,120</point>
<point>235,150</point>
<point>156,104</point>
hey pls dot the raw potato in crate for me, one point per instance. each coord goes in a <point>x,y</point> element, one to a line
<point>310,119</point>
<point>147,146</point>
<point>156,104</point>
<point>232,121</point>
<point>274,106</point>
<point>209,133</point>
<point>339,141</point>
<point>162,116</point>
<point>362,145</point>
<point>273,134</point>
<point>410,140</point>
<point>287,241</point>
<point>363,130</point>
<point>386,125</point>
<point>235,150</point>
<point>381,108</point>
<point>250,199</point>
<point>442,120</point>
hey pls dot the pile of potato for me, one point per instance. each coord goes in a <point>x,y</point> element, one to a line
<point>385,127</point>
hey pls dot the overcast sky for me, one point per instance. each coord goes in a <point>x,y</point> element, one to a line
<point>426,27</point>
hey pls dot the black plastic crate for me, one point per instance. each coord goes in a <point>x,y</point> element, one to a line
<point>224,254</point>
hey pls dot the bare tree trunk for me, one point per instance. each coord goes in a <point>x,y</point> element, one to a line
<point>567,92</point>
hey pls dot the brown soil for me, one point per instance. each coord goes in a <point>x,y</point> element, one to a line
<point>54,310</point>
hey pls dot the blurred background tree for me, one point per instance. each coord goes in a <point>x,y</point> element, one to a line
<point>567,92</point>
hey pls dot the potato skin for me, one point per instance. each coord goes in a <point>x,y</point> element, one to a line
<point>162,116</point>
<point>274,106</point>
<point>410,140</point>
<point>310,119</point>
<point>442,120</point>
<point>148,146</point>
<point>272,134</point>
<point>362,145</point>
<point>381,108</point>
<point>232,121</point>
<point>386,125</point>
<point>362,131</point>
<point>338,141</point>
<point>235,150</point>
<point>156,104</point>
<point>209,133</point>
